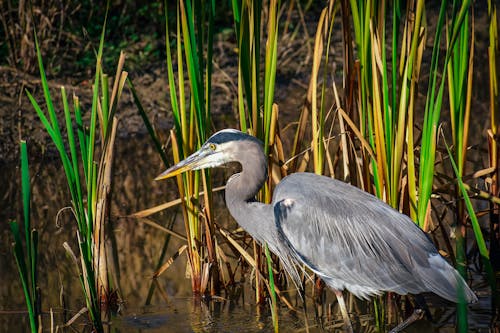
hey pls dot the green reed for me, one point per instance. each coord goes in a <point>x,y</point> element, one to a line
<point>90,189</point>
<point>272,290</point>
<point>68,160</point>
<point>27,265</point>
<point>433,104</point>
<point>191,112</point>
<point>459,75</point>
<point>386,94</point>
<point>462,322</point>
<point>247,23</point>
<point>251,97</point>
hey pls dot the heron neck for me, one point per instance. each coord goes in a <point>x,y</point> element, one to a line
<point>241,190</point>
<point>245,185</point>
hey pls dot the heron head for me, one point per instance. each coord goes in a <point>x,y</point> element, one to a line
<point>221,148</point>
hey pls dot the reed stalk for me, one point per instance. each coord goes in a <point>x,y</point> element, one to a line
<point>27,265</point>
<point>459,75</point>
<point>194,31</point>
<point>483,250</point>
<point>272,291</point>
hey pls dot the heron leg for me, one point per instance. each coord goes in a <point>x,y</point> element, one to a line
<point>343,310</point>
<point>416,315</point>
<point>420,303</point>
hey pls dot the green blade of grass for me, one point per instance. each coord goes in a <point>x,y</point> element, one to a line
<point>74,157</point>
<point>46,91</point>
<point>171,79</point>
<point>26,275</point>
<point>82,136</point>
<point>105,103</point>
<point>70,177</point>
<point>147,123</point>
<point>431,119</point>
<point>26,194</point>
<point>396,17</point>
<point>23,272</point>
<point>270,70</point>
<point>193,67</point>
<point>33,251</point>
<point>31,236</point>
<point>483,250</point>
<point>317,140</point>
<point>209,62</point>
<point>272,290</point>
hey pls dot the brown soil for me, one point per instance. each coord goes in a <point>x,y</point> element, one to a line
<point>18,120</point>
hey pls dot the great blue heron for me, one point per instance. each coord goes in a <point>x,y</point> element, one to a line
<point>349,238</point>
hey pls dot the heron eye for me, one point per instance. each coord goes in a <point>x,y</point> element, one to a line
<point>212,146</point>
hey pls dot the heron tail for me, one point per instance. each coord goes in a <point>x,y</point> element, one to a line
<point>444,280</point>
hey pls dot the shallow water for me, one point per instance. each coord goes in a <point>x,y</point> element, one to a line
<point>190,315</point>
<point>181,315</point>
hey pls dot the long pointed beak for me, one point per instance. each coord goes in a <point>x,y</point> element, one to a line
<point>194,161</point>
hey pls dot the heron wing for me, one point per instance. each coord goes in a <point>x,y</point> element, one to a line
<point>353,240</point>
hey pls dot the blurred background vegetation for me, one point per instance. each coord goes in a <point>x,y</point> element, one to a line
<point>69,30</point>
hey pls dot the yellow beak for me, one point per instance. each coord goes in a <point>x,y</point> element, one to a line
<point>194,161</point>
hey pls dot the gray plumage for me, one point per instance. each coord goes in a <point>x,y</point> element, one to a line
<point>359,243</point>
<point>351,239</point>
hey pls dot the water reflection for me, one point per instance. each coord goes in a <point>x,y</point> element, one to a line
<point>196,315</point>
